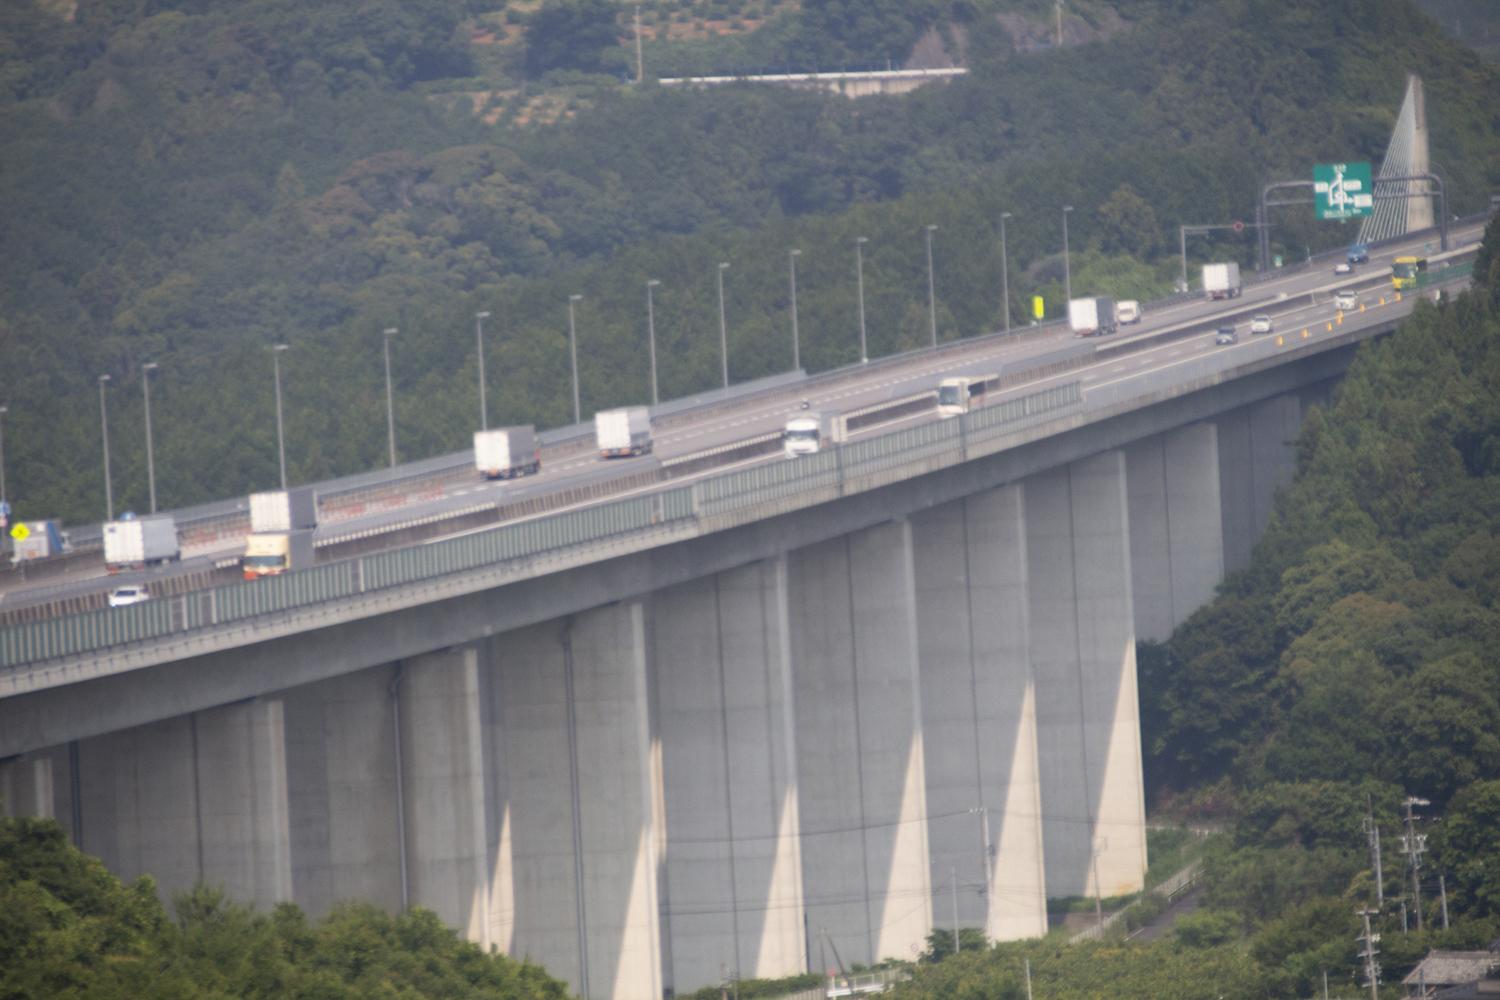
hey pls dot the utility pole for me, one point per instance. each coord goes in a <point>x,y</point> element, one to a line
<point>1413,845</point>
<point>1368,952</point>
<point>1372,832</point>
<point>1027,962</point>
<point>953,875</point>
<point>1443,893</point>
<point>1098,888</point>
<point>639,66</point>
<point>1057,9</point>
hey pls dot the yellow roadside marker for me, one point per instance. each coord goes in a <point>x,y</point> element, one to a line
<point>1382,300</point>
<point>1398,296</point>
<point>1304,333</point>
<point>1280,340</point>
<point>1340,319</point>
<point>1330,327</point>
<point>1361,307</point>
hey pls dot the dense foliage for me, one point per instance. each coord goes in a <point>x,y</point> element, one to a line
<point>188,183</point>
<point>69,928</point>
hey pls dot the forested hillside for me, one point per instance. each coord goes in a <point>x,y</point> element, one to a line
<point>68,928</point>
<point>191,182</point>
<point>1356,663</point>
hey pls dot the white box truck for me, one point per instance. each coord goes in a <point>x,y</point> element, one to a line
<point>138,542</point>
<point>622,432</point>
<point>284,510</point>
<point>1221,281</point>
<point>506,452</point>
<point>1092,317</point>
<point>811,432</point>
<point>272,553</point>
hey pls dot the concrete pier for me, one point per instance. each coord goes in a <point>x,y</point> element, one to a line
<point>570,725</point>
<point>347,828</point>
<point>1176,527</point>
<point>732,896</point>
<point>861,774</point>
<point>1083,657</point>
<point>442,790</point>
<point>1257,457</point>
<point>979,713</point>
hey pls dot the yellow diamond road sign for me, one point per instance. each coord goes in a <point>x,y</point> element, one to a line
<point>20,532</point>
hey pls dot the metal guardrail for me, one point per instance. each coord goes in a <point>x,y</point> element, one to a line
<point>811,479</point>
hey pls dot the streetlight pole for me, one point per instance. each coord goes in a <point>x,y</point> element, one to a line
<point>651,335</point>
<point>276,350</point>
<point>3,411</point>
<point>723,330</point>
<point>859,278</point>
<point>484,413</point>
<point>573,357</point>
<point>1004,271</point>
<point>109,491</point>
<point>1067,264</point>
<point>792,256</point>
<point>146,370</point>
<point>390,397</point>
<point>931,287</point>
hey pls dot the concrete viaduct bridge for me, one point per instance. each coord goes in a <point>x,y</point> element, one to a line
<point>688,730</point>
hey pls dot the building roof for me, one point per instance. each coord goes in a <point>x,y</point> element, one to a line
<point>1452,968</point>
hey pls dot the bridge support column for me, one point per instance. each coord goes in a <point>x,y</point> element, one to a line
<point>36,785</point>
<point>346,827</point>
<point>201,796</point>
<point>1176,531</point>
<point>860,771</point>
<point>1257,457</point>
<point>979,713</point>
<point>442,771</point>
<point>732,885</point>
<point>571,731</point>
<point>1083,656</point>
<point>242,788</point>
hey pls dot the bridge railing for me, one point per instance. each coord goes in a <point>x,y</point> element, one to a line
<point>809,479</point>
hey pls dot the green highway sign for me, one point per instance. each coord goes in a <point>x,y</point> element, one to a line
<point>1343,190</point>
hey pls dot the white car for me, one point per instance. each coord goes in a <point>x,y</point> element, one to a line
<point>130,593</point>
<point>1346,299</point>
<point>1343,267</point>
<point>1261,323</point>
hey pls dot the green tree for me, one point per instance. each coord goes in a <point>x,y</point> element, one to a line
<point>570,34</point>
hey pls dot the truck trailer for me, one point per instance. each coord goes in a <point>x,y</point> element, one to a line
<point>506,452</point>
<point>623,432</point>
<point>138,542</point>
<point>284,510</point>
<point>1092,317</point>
<point>1221,281</point>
